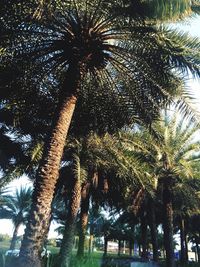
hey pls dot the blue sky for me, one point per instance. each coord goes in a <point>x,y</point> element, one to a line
<point>193,27</point>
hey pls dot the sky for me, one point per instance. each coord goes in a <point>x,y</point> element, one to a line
<point>6,226</point>
<point>193,27</point>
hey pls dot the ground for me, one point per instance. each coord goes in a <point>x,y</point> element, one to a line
<point>93,261</point>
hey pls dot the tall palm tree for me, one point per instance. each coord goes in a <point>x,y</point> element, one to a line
<point>94,154</point>
<point>16,208</point>
<point>74,205</point>
<point>172,157</point>
<point>81,42</point>
<point>83,222</point>
<point>176,156</point>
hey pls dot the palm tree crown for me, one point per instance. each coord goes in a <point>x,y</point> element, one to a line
<point>91,43</point>
<point>81,42</point>
<point>16,208</point>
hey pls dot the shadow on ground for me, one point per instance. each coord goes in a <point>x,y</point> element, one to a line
<point>127,262</point>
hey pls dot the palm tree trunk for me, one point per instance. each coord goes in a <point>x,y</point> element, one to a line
<point>14,238</point>
<point>91,239</point>
<point>183,239</point>
<point>48,174</point>
<point>168,224</point>
<point>139,247</point>
<point>105,246</point>
<point>186,247</point>
<point>67,243</point>
<point>130,247</point>
<point>144,235</point>
<point>119,247</point>
<point>197,249</point>
<point>85,197</point>
<point>153,229</point>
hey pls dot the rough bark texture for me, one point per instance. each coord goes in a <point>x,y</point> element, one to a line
<point>83,219</point>
<point>168,224</point>
<point>67,243</point>
<point>47,176</point>
<point>14,238</point>
<point>153,229</point>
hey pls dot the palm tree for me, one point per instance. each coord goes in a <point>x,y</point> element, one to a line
<point>16,208</point>
<point>173,156</point>
<point>153,10</point>
<point>186,204</point>
<point>108,171</point>
<point>82,42</point>
<point>94,154</point>
<point>194,235</point>
<point>85,201</point>
<point>176,157</point>
<point>152,216</point>
<point>68,236</point>
<point>182,163</point>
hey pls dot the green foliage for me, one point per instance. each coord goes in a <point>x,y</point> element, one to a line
<point>4,237</point>
<point>87,262</point>
<point>16,206</point>
<point>169,10</point>
<point>140,45</point>
<point>131,60</point>
<point>157,10</point>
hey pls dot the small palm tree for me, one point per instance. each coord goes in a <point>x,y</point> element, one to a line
<point>16,208</point>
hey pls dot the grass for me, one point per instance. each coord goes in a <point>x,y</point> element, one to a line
<point>4,245</point>
<point>94,261</point>
<point>89,261</point>
<point>53,249</point>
